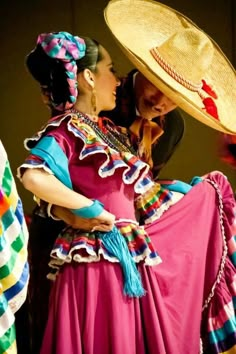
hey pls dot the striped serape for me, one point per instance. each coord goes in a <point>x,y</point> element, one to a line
<point>14,270</point>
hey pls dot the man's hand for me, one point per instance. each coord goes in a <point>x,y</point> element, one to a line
<point>103,222</point>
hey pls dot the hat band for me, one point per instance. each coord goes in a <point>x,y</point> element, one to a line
<point>202,89</point>
<point>173,73</point>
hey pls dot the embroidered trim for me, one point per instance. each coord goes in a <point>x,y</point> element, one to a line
<point>173,73</point>
<point>202,88</point>
<point>78,246</point>
<point>225,248</point>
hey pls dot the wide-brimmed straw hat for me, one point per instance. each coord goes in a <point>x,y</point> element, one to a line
<point>178,58</point>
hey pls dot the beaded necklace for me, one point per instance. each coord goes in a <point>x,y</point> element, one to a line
<point>113,138</point>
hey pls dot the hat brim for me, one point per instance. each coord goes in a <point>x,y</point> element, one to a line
<point>139,25</point>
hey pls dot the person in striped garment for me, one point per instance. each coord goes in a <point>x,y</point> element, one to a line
<point>14,271</point>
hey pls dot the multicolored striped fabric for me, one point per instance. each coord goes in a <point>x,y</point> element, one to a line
<point>14,272</point>
<point>152,204</point>
<point>75,245</point>
<point>222,312</point>
<point>66,48</point>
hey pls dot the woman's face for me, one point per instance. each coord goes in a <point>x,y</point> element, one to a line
<point>150,101</point>
<point>106,83</point>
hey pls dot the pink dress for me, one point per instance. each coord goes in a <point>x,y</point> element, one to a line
<point>185,255</point>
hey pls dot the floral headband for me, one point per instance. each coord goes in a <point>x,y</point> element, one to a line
<point>67,48</point>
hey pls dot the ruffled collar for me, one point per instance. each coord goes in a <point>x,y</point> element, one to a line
<point>134,170</point>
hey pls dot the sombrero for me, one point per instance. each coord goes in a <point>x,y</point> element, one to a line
<point>178,58</point>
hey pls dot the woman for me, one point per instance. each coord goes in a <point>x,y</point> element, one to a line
<point>79,161</point>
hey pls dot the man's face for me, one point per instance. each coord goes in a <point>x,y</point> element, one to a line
<point>150,101</point>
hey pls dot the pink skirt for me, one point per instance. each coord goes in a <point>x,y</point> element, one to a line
<point>88,313</point>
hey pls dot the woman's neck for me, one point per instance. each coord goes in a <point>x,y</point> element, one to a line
<point>83,105</point>
<point>82,109</point>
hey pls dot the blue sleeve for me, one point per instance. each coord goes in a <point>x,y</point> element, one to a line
<point>50,151</point>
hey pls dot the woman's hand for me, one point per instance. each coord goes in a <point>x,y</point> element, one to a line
<point>103,222</point>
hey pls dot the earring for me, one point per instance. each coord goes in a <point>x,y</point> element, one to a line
<point>94,102</point>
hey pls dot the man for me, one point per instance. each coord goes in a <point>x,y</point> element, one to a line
<point>139,101</point>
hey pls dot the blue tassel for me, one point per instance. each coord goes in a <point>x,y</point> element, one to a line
<point>116,246</point>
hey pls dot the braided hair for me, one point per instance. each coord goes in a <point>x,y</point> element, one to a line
<point>55,63</point>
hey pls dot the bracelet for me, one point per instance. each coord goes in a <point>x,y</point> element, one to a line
<point>89,212</point>
<point>50,214</point>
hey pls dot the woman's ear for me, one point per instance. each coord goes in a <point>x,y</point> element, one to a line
<point>89,77</point>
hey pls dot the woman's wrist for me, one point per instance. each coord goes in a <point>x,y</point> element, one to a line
<point>89,212</point>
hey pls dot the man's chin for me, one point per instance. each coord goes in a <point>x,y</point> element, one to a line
<point>150,116</point>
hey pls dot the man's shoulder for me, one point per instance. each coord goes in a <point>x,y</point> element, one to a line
<point>176,117</point>
<point>174,127</point>
<point>174,120</point>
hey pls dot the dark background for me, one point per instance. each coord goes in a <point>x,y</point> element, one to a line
<point>22,111</point>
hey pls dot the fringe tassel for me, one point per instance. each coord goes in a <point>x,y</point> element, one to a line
<point>208,89</point>
<point>115,244</point>
<point>210,107</point>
